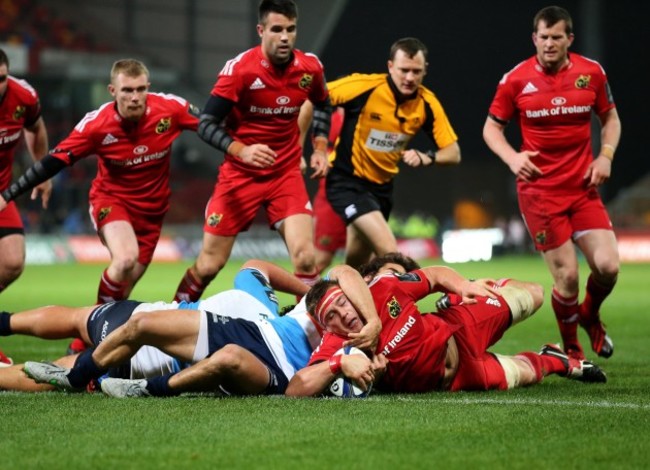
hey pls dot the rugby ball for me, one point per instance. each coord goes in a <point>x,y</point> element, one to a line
<point>342,387</point>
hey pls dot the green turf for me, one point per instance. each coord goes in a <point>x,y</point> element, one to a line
<point>558,424</point>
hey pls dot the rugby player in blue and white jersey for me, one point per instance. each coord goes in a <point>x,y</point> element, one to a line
<point>253,298</point>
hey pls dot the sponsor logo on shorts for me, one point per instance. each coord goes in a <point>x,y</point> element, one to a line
<point>163,125</point>
<point>394,308</point>
<point>19,113</point>
<point>214,219</point>
<point>305,81</point>
<point>103,212</point>
<point>583,81</point>
<point>540,237</point>
<point>350,211</point>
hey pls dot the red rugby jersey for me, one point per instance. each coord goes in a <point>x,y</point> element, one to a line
<point>19,108</point>
<point>414,344</point>
<point>554,112</point>
<point>133,157</point>
<point>267,102</point>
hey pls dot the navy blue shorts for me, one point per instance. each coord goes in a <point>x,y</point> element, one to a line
<point>225,330</point>
<point>108,317</point>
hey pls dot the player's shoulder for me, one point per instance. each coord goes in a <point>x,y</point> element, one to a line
<point>98,119</point>
<point>164,101</point>
<point>243,62</point>
<point>519,71</point>
<point>307,60</point>
<point>586,65</point>
<point>22,90</point>
<point>358,82</point>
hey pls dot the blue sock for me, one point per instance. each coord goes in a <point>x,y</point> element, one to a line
<point>84,370</point>
<point>5,328</point>
<point>159,386</point>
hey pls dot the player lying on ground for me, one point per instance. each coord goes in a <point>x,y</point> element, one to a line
<point>253,299</point>
<point>442,351</point>
<point>208,374</point>
<point>244,357</point>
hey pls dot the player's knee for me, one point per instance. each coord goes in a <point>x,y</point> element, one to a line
<point>608,269</point>
<point>227,359</point>
<point>523,299</point>
<point>135,327</point>
<point>537,293</point>
<point>125,262</point>
<point>304,260</point>
<point>11,270</point>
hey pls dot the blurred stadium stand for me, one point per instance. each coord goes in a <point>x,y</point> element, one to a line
<point>65,49</point>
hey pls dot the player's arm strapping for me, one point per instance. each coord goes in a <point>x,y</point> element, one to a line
<point>211,129</point>
<point>322,116</point>
<point>39,172</point>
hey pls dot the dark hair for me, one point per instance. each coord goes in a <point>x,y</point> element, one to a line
<point>4,58</point>
<point>373,266</point>
<point>316,293</point>
<point>410,46</point>
<point>552,15</point>
<point>287,8</point>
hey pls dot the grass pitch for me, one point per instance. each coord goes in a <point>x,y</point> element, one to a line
<point>558,424</point>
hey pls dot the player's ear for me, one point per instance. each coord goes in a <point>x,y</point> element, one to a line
<point>111,89</point>
<point>260,29</point>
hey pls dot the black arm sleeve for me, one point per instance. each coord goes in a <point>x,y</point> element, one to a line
<point>211,129</point>
<point>322,118</point>
<point>40,171</point>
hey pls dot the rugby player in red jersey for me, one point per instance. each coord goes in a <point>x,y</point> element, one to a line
<point>252,116</point>
<point>553,95</point>
<point>445,351</point>
<point>132,137</point>
<point>20,115</point>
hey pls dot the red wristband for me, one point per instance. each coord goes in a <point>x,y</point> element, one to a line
<point>335,364</point>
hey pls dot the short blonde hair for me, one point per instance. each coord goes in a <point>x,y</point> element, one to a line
<point>129,67</point>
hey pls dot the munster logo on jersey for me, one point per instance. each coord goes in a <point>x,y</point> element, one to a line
<point>305,81</point>
<point>103,212</point>
<point>394,308</point>
<point>540,237</point>
<point>19,113</point>
<point>163,125</point>
<point>214,219</point>
<point>583,81</point>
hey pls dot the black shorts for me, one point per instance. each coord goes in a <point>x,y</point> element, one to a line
<point>108,317</point>
<point>352,197</point>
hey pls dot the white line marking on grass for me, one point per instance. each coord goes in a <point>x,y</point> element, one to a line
<point>527,401</point>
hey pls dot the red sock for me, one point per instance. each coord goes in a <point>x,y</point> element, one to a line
<point>110,290</point>
<point>536,363</point>
<point>594,298</point>
<point>190,289</point>
<point>566,313</point>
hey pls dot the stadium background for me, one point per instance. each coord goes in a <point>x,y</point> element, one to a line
<point>65,49</point>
